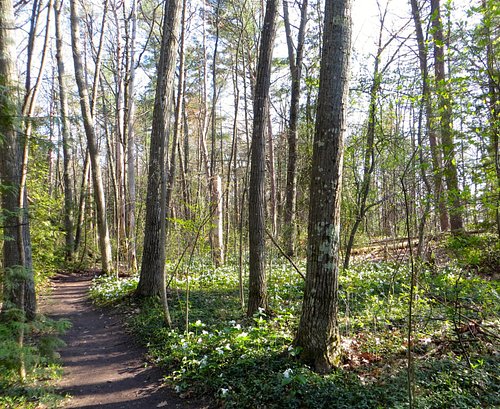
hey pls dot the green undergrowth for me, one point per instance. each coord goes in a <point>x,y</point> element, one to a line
<point>250,363</point>
<point>477,253</point>
<point>40,360</point>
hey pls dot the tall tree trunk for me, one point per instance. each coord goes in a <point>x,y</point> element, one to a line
<point>494,100</point>
<point>273,213</point>
<point>120,139</point>
<point>318,333</point>
<point>295,62</point>
<point>257,295</point>
<point>66,136</point>
<point>28,109</point>
<point>217,238</point>
<point>179,109</point>
<point>30,98</point>
<point>10,165</point>
<point>152,277</point>
<point>439,192</point>
<point>130,115</point>
<point>445,122</point>
<point>88,122</point>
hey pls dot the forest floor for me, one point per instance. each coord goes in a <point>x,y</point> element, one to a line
<point>103,366</point>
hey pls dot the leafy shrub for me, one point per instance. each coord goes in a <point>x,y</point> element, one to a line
<point>477,253</point>
<point>40,361</point>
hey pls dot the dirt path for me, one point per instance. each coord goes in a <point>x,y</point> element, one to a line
<point>103,367</point>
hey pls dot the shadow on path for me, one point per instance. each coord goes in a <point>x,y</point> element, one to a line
<point>103,367</point>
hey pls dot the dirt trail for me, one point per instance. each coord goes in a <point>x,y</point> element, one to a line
<point>103,367</point>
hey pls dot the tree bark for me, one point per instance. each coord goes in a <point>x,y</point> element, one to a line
<point>88,122</point>
<point>426,95</point>
<point>10,164</point>
<point>445,122</point>
<point>179,110</point>
<point>66,136</point>
<point>318,333</point>
<point>295,62</point>
<point>494,101</point>
<point>257,295</point>
<point>152,277</point>
<point>130,115</point>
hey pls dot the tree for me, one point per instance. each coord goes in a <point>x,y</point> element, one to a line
<point>10,165</point>
<point>295,62</point>
<point>66,136</point>
<point>445,121</point>
<point>257,295</point>
<point>318,333</point>
<point>426,97</point>
<point>152,276</point>
<point>131,159</point>
<point>491,15</point>
<point>88,122</point>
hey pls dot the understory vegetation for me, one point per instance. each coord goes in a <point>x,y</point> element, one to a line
<point>38,354</point>
<point>40,361</point>
<point>213,349</point>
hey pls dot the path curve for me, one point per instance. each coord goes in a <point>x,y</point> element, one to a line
<point>103,367</point>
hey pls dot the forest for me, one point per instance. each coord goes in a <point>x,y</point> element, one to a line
<point>267,204</point>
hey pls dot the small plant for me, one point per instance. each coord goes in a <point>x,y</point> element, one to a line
<point>40,360</point>
<point>106,289</point>
<point>251,363</point>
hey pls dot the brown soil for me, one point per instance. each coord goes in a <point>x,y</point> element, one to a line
<point>103,367</point>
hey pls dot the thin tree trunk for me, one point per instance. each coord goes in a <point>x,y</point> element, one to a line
<point>426,95</point>
<point>66,136</point>
<point>120,141</point>
<point>31,94</point>
<point>494,104</point>
<point>257,296</point>
<point>179,109</point>
<point>273,213</point>
<point>130,115</point>
<point>214,181</point>
<point>369,152</point>
<point>82,200</point>
<point>295,62</point>
<point>445,122</point>
<point>88,121</point>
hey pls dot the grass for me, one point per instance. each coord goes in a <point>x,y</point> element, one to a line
<point>250,363</point>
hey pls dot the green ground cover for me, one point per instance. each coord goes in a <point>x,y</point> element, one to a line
<point>251,363</point>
